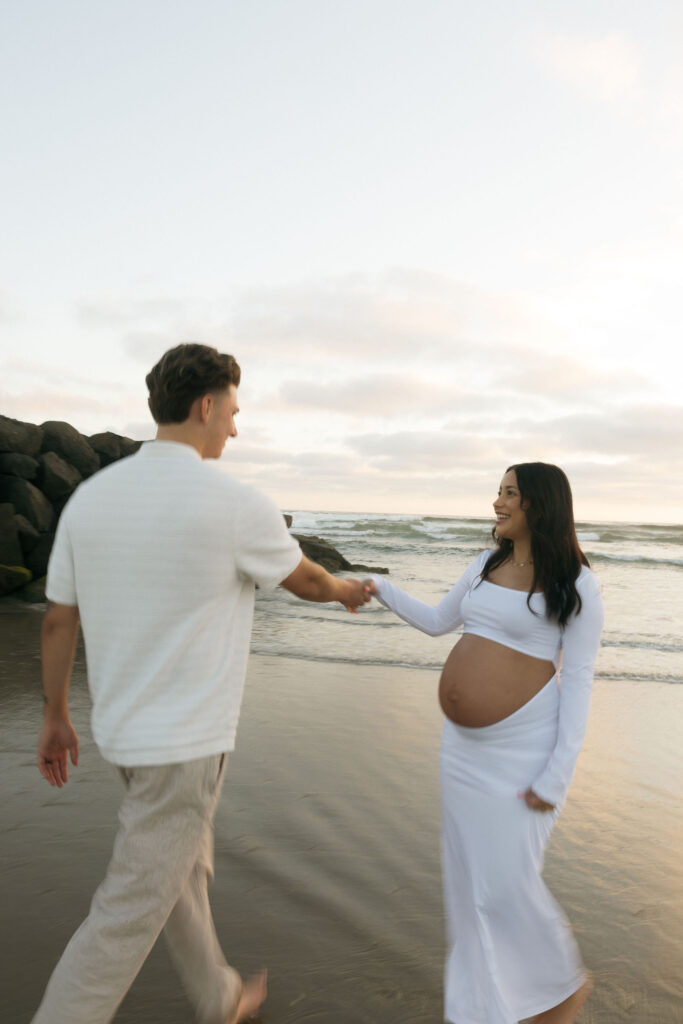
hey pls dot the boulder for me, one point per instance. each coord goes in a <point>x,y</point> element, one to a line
<point>107,445</point>
<point>128,446</point>
<point>59,504</point>
<point>28,535</point>
<point>36,560</point>
<point>16,436</point>
<point>33,592</point>
<point>322,552</point>
<point>15,464</point>
<point>72,446</point>
<point>57,478</point>
<point>28,501</point>
<point>11,552</point>
<point>288,520</point>
<point>12,577</point>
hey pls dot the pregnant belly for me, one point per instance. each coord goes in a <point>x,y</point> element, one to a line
<point>483,682</point>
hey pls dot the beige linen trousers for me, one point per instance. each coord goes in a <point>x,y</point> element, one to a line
<point>157,879</point>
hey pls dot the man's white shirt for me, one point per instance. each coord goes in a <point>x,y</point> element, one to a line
<point>161,552</point>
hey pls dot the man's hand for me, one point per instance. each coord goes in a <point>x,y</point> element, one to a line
<point>56,738</point>
<point>535,803</point>
<point>356,594</point>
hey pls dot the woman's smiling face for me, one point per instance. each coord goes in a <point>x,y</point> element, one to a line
<point>511,522</point>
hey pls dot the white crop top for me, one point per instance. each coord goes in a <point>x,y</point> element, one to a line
<point>501,614</point>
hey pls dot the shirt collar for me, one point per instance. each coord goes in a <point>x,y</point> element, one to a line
<point>169,450</point>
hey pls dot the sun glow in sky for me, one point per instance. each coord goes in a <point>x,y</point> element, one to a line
<point>438,236</point>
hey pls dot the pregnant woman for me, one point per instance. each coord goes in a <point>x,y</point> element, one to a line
<point>515,722</point>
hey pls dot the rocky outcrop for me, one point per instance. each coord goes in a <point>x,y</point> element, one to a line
<point>20,438</point>
<point>40,467</point>
<point>76,450</point>
<point>322,552</point>
<point>15,464</point>
<point>57,478</point>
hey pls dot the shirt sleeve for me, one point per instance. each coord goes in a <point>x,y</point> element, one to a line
<point>265,551</point>
<point>61,574</point>
<point>580,644</point>
<point>432,619</point>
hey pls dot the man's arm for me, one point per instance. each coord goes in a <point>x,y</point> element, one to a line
<point>311,582</point>
<point>58,646</point>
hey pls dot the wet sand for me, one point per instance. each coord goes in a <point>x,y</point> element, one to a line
<point>327,846</point>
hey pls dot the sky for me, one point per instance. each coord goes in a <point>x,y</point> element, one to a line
<point>439,237</point>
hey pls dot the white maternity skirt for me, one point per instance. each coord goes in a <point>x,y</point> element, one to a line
<point>511,952</point>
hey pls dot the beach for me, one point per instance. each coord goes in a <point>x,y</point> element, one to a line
<point>327,844</point>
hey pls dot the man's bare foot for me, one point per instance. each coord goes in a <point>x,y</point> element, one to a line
<point>252,996</point>
<point>568,1011</point>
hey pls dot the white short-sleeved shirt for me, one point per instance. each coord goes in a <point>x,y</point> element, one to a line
<point>161,552</point>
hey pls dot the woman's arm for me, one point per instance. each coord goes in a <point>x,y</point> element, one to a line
<point>580,646</point>
<point>431,619</point>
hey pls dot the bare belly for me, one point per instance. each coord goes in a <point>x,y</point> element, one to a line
<point>483,682</point>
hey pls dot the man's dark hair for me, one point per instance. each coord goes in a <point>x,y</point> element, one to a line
<point>185,373</point>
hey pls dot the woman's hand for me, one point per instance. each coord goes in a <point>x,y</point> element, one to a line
<point>535,803</point>
<point>370,588</point>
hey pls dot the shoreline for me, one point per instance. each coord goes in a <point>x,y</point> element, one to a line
<point>327,845</point>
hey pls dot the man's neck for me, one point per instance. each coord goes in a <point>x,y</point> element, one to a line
<point>181,433</point>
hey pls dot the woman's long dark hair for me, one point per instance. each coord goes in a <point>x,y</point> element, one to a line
<point>557,557</point>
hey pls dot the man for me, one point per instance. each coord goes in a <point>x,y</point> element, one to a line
<point>157,556</point>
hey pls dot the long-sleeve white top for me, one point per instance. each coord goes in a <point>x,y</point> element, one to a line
<point>501,614</point>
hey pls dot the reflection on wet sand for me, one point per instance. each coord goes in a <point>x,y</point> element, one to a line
<point>327,845</point>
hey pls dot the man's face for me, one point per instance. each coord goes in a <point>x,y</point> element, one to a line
<point>221,422</point>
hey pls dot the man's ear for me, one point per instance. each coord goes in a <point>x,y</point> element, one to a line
<point>205,407</point>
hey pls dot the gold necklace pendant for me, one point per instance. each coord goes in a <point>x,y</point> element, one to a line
<point>521,565</point>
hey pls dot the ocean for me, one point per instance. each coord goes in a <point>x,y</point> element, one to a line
<point>640,568</point>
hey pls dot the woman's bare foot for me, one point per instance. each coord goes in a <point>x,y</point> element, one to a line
<point>569,1010</point>
<point>252,996</point>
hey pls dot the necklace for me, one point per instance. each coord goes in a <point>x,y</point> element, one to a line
<point>521,565</point>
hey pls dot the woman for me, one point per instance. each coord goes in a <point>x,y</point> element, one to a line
<point>511,738</point>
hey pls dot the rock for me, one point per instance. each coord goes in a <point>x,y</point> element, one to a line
<point>33,592</point>
<point>15,464</point>
<point>57,478</point>
<point>107,445</point>
<point>11,552</point>
<point>73,447</point>
<point>12,577</point>
<point>28,501</point>
<point>128,446</point>
<point>322,552</point>
<point>16,436</point>
<point>59,504</point>
<point>36,560</point>
<point>288,520</point>
<point>28,535</point>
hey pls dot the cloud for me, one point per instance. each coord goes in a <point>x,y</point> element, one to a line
<point>402,315</point>
<point>34,371</point>
<point>383,395</point>
<point>50,404</point>
<point>8,308</point>
<point>607,68</point>
<point>409,390</point>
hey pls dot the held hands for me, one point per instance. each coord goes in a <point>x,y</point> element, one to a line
<point>356,594</point>
<point>56,738</point>
<point>535,803</point>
